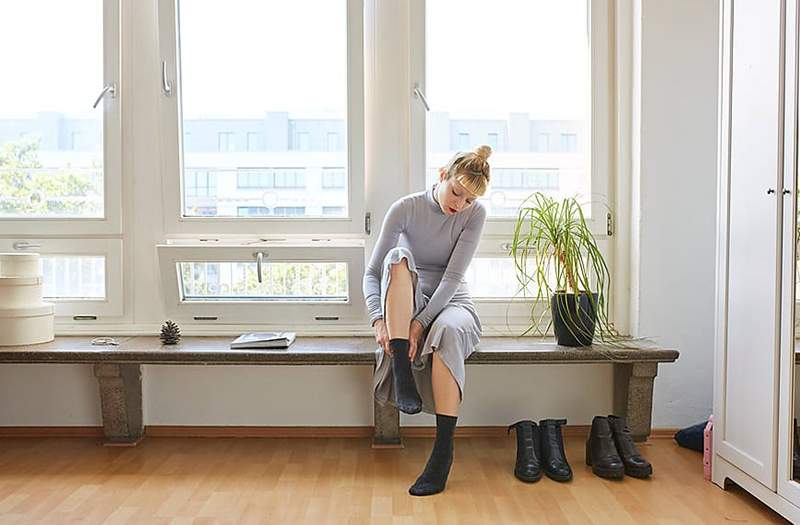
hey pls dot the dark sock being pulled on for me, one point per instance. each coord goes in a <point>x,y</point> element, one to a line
<point>434,477</point>
<point>405,390</point>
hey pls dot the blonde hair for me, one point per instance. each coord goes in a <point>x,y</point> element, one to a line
<point>471,169</point>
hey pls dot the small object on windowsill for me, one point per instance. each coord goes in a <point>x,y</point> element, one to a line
<point>263,340</point>
<point>170,333</point>
<point>105,341</point>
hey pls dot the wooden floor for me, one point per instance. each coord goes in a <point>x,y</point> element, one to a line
<point>185,480</point>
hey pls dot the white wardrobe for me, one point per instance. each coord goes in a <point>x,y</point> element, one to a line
<point>754,375</point>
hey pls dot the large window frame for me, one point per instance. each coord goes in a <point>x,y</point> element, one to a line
<point>285,313</point>
<point>111,222</point>
<point>601,122</point>
<point>499,315</point>
<point>176,224</point>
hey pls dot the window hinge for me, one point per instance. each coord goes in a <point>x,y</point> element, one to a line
<point>609,225</point>
<point>368,223</point>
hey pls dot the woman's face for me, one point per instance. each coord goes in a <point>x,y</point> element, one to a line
<point>452,196</point>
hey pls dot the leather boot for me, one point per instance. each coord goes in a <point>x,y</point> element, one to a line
<point>553,457</point>
<point>635,465</point>
<point>796,454</point>
<point>601,452</point>
<point>528,467</point>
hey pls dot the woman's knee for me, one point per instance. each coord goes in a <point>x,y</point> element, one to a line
<point>399,267</point>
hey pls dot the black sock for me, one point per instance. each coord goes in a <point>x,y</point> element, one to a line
<point>434,477</point>
<point>405,390</point>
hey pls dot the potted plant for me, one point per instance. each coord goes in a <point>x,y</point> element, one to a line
<point>555,252</point>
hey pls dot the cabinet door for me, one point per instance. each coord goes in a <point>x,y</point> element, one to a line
<point>750,193</point>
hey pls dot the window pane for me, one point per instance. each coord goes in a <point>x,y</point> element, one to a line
<point>264,105</point>
<point>523,87</point>
<point>51,140</point>
<point>496,277</point>
<point>281,281</point>
<point>73,277</point>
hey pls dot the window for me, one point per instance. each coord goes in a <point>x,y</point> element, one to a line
<point>80,276</point>
<point>304,128</point>
<point>514,101</point>
<point>337,211</point>
<point>201,184</point>
<point>252,211</point>
<point>312,284</point>
<point>290,211</point>
<point>463,143</point>
<point>226,141</point>
<point>333,178</point>
<point>544,142</point>
<point>254,179</point>
<point>253,141</point>
<point>59,156</point>
<point>333,142</point>
<point>515,107</point>
<point>569,142</point>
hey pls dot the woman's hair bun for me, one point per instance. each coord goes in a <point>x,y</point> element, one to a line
<point>483,151</point>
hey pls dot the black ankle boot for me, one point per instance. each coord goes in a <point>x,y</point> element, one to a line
<point>601,452</point>
<point>796,454</point>
<point>553,457</point>
<point>528,467</point>
<point>635,465</point>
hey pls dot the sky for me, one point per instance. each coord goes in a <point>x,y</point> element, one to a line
<point>245,57</point>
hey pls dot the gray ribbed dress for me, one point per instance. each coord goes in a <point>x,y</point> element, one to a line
<point>438,248</point>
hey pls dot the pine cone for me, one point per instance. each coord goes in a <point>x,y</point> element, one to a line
<point>170,333</point>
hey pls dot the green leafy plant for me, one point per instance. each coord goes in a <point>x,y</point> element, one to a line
<point>553,243</point>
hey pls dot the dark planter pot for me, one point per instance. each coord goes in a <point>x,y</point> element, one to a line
<point>573,324</point>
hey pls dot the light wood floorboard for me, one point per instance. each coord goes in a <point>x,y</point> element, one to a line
<point>319,481</point>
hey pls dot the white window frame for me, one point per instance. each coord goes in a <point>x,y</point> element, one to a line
<point>502,316</point>
<point>175,224</point>
<point>111,222</point>
<point>287,314</point>
<point>601,125</point>
<point>110,249</point>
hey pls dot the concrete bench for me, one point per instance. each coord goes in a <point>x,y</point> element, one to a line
<point>118,370</point>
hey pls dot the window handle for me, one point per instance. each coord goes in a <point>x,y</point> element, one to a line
<point>108,88</point>
<point>22,245</point>
<point>259,263</point>
<point>165,83</point>
<point>420,95</point>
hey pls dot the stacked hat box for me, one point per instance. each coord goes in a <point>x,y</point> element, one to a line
<point>24,318</point>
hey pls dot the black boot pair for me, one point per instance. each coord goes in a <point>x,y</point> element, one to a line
<point>540,447</point>
<point>610,450</point>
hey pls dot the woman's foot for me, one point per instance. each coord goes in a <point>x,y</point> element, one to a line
<point>405,390</point>
<point>434,478</point>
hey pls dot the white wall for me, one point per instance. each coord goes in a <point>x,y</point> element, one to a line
<point>677,200</point>
<point>676,215</point>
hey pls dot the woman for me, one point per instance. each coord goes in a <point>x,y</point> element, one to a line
<point>416,295</point>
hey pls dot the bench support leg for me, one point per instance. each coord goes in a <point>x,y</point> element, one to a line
<point>633,396</point>
<point>386,433</point>
<point>121,402</point>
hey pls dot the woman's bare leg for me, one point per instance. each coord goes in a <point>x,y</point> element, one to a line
<point>446,395</point>
<point>399,301</point>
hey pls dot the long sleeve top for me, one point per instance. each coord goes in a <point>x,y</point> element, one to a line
<point>442,246</point>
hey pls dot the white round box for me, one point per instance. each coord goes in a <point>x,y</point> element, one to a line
<point>20,292</point>
<point>27,326</point>
<point>19,264</point>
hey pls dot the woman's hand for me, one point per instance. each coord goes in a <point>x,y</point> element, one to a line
<point>382,336</point>
<point>415,331</point>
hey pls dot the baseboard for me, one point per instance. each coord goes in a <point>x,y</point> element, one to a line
<point>208,431</point>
